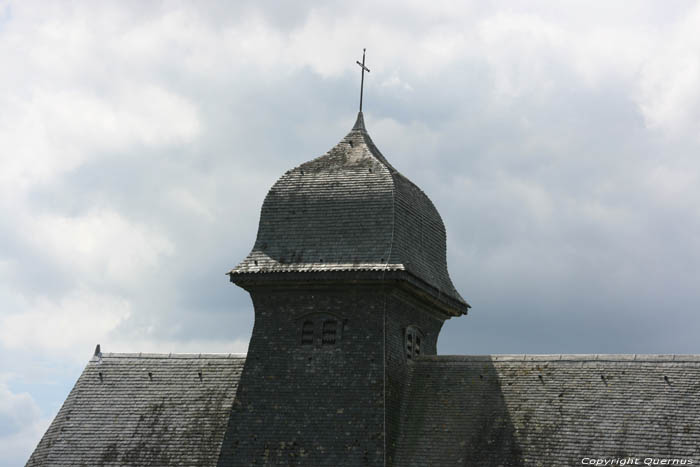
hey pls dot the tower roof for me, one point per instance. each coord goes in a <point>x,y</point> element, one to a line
<point>350,210</point>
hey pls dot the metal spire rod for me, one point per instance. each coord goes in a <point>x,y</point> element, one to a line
<point>362,83</point>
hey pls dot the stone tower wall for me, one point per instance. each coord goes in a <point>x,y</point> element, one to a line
<point>404,310</point>
<point>311,404</point>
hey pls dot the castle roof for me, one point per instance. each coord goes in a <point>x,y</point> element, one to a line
<point>549,409</point>
<point>144,409</point>
<point>367,390</point>
<point>350,210</point>
<point>156,409</point>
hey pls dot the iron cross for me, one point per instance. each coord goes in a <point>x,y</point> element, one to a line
<point>362,83</point>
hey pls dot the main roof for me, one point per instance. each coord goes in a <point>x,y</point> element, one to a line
<point>144,409</point>
<point>549,409</point>
<point>517,410</point>
<point>350,210</point>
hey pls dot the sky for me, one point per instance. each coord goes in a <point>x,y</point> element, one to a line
<point>559,141</point>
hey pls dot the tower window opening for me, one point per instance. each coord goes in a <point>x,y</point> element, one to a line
<point>307,333</point>
<point>329,332</point>
<point>320,331</point>
<point>414,339</point>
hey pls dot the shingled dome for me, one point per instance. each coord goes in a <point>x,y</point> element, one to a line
<point>350,210</point>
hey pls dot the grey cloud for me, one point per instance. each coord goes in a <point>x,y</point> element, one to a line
<point>570,228</point>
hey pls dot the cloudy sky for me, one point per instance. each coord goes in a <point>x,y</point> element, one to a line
<point>559,140</point>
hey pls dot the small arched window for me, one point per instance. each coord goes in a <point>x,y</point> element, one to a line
<point>307,333</point>
<point>413,342</point>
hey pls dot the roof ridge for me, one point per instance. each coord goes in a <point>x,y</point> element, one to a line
<point>146,355</point>
<point>563,357</point>
<point>360,122</point>
<point>377,154</point>
<point>374,150</point>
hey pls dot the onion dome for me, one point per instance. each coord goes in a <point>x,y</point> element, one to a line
<point>350,211</point>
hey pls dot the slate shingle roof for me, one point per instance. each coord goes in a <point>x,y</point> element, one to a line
<point>350,210</point>
<point>118,415</point>
<point>507,410</point>
<point>549,410</point>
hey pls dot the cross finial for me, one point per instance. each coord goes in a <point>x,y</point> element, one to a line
<point>362,83</point>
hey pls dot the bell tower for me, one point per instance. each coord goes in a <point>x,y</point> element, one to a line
<point>349,281</point>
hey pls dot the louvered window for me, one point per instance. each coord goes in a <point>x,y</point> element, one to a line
<point>413,342</point>
<point>330,328</point>
<point>307,333</point>
<point>320,331</point>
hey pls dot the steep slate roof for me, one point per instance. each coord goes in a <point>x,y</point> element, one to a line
<point>118,415</point>
<point>350,210</point>
<point>549,409</point>
<point>500,410</point>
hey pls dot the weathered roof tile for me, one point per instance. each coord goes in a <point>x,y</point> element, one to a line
<point>350,210</point>
<point>144,409</point>
<point>549,410</point>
